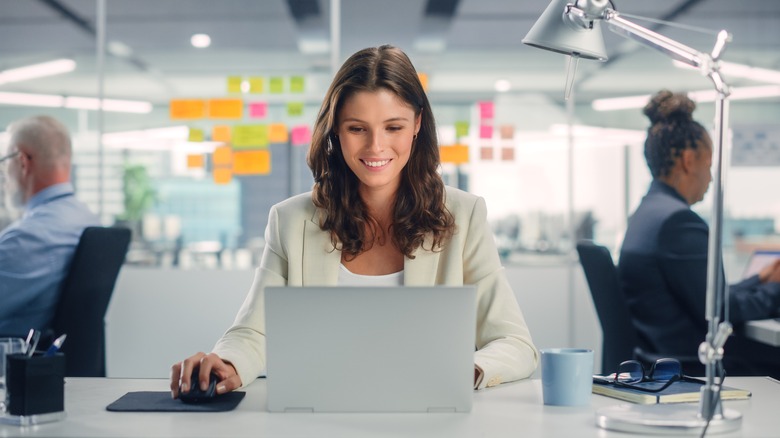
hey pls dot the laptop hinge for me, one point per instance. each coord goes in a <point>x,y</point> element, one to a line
<point>441,409</point>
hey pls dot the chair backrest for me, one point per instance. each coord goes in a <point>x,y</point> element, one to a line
<point>84,298</point>
<point>619,335</point>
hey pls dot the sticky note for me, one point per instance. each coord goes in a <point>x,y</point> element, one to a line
<point>461,129</point>
<point>508,154</point>
<point>220,133</point>
<point>234,84</point>
<point>294,109</point>
<point>276,84</point>
<point>258,110</point>
<point>249,136</point>
<point>486,110</point>
<point>222,175</point>
<point>277,133</point>
<point>255,84</point>
<point>252,162</point>
<point>486,153</point>
<point>301,135</point>
<point>486,131</point>
<point>226,108</point>
<point>507,132</point>
<point>195,161</point>
<point>297,84</point>
<point>195,135</point>
<point>222,156</point>
<point>423,80</point>
<point>456,154</point>
<point>187,109</point>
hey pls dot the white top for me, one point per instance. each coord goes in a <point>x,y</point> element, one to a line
<point>347,278</point>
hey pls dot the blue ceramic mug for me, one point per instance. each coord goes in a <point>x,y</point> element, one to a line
<point>567,376</point>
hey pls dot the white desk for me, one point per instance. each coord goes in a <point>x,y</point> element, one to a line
<point>510,410</point>
<point>764,330</point>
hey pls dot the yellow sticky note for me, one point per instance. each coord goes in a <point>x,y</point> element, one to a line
<point>195,161</point>
<point>222,175</point>
<point>455,154</point>
<point>297,84</point>
<point>276,84</point>
<point>423,80</point>
<point>277,133</point>
<point>461,129</point>
<point>252,162</point>
<point>234,84</point>
<point>195,135</point>
<point>220,133</point>
<point>187,109</point>
<point>226,108</point>
<point>255,84</point>
<point>222,156</point>
<point>294,109</point>
<point>249,136</point>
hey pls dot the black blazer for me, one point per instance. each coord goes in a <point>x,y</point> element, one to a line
<point>663,272</point>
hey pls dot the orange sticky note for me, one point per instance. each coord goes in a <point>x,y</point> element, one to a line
<point>507,132</point>
<point>455,154</point>
<point>486,153</point>
<point>252,162</point>
<point>508,154</point>
<point>195,161</point>
<point>220,133</point>
<point>277,133</point>
<point>226,108</point>
<point>222,175</point>
<point>186,109</point>
<point>222,156</point>
<point>423,80</point>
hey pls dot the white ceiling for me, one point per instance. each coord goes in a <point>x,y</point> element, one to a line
<point>481,43</point>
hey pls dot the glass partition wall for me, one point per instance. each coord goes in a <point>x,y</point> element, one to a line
<point>196,149</point>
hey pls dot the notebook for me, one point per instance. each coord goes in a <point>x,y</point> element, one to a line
<point>370,349</point>
<point>758,260</point>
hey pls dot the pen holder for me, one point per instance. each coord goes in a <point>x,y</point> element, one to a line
<point>35,385</point>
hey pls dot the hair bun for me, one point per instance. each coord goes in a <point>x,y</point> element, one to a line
<point>666,105</point>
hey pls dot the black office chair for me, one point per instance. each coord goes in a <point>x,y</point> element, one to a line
<point>619,335</point>
<point>84,298</point>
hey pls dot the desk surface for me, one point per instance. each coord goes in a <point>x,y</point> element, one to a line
<point>510,410</point>
<point>764,330</point>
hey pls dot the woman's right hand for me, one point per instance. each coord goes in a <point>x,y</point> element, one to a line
<point>181,372</point>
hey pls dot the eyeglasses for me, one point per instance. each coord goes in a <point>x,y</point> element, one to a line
<point>662,374</point>
<point>9,156</point>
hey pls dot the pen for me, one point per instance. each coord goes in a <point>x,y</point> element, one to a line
<point>35,338</point>
<point>55,346</point>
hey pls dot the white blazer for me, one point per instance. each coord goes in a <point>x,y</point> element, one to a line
<point>298,253</point>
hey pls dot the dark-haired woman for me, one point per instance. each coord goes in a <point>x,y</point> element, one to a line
<point>379,215</point>
<point>663,261</point>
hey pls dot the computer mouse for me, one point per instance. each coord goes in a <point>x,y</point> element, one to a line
<point>195,394</point>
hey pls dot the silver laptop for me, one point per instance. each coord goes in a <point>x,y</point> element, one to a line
<point>372,349</point>
<point>758,260</point>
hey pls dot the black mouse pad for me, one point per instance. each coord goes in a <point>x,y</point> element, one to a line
<point>154,401</point>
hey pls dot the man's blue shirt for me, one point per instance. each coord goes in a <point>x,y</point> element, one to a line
<point>35,253</point>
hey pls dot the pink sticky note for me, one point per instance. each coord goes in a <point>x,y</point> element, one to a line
<point>258,110</point>
<point>301,135</point>
<point>486,131</point>
<point>486,110</point>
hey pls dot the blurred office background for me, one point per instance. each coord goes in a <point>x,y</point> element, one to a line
<point>195,184</point>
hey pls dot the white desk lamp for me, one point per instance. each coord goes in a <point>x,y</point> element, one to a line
<point>571,27</point>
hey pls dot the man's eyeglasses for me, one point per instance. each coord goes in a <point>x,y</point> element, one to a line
<point>632,374</point>
<point>9,156</point>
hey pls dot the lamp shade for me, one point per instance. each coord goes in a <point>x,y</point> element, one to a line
<point>552,32</point>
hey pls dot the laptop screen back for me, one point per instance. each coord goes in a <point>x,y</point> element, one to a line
<point>382,349</point>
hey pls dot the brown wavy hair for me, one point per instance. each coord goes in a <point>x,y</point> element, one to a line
<point>419,208</point>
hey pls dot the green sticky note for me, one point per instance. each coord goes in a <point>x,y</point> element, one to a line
<point>234,84</point>
<point>276,84</point>
<point>461,129</point>
<point>297,84</point>
<point>294,109</point>
<point>250,136</point>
